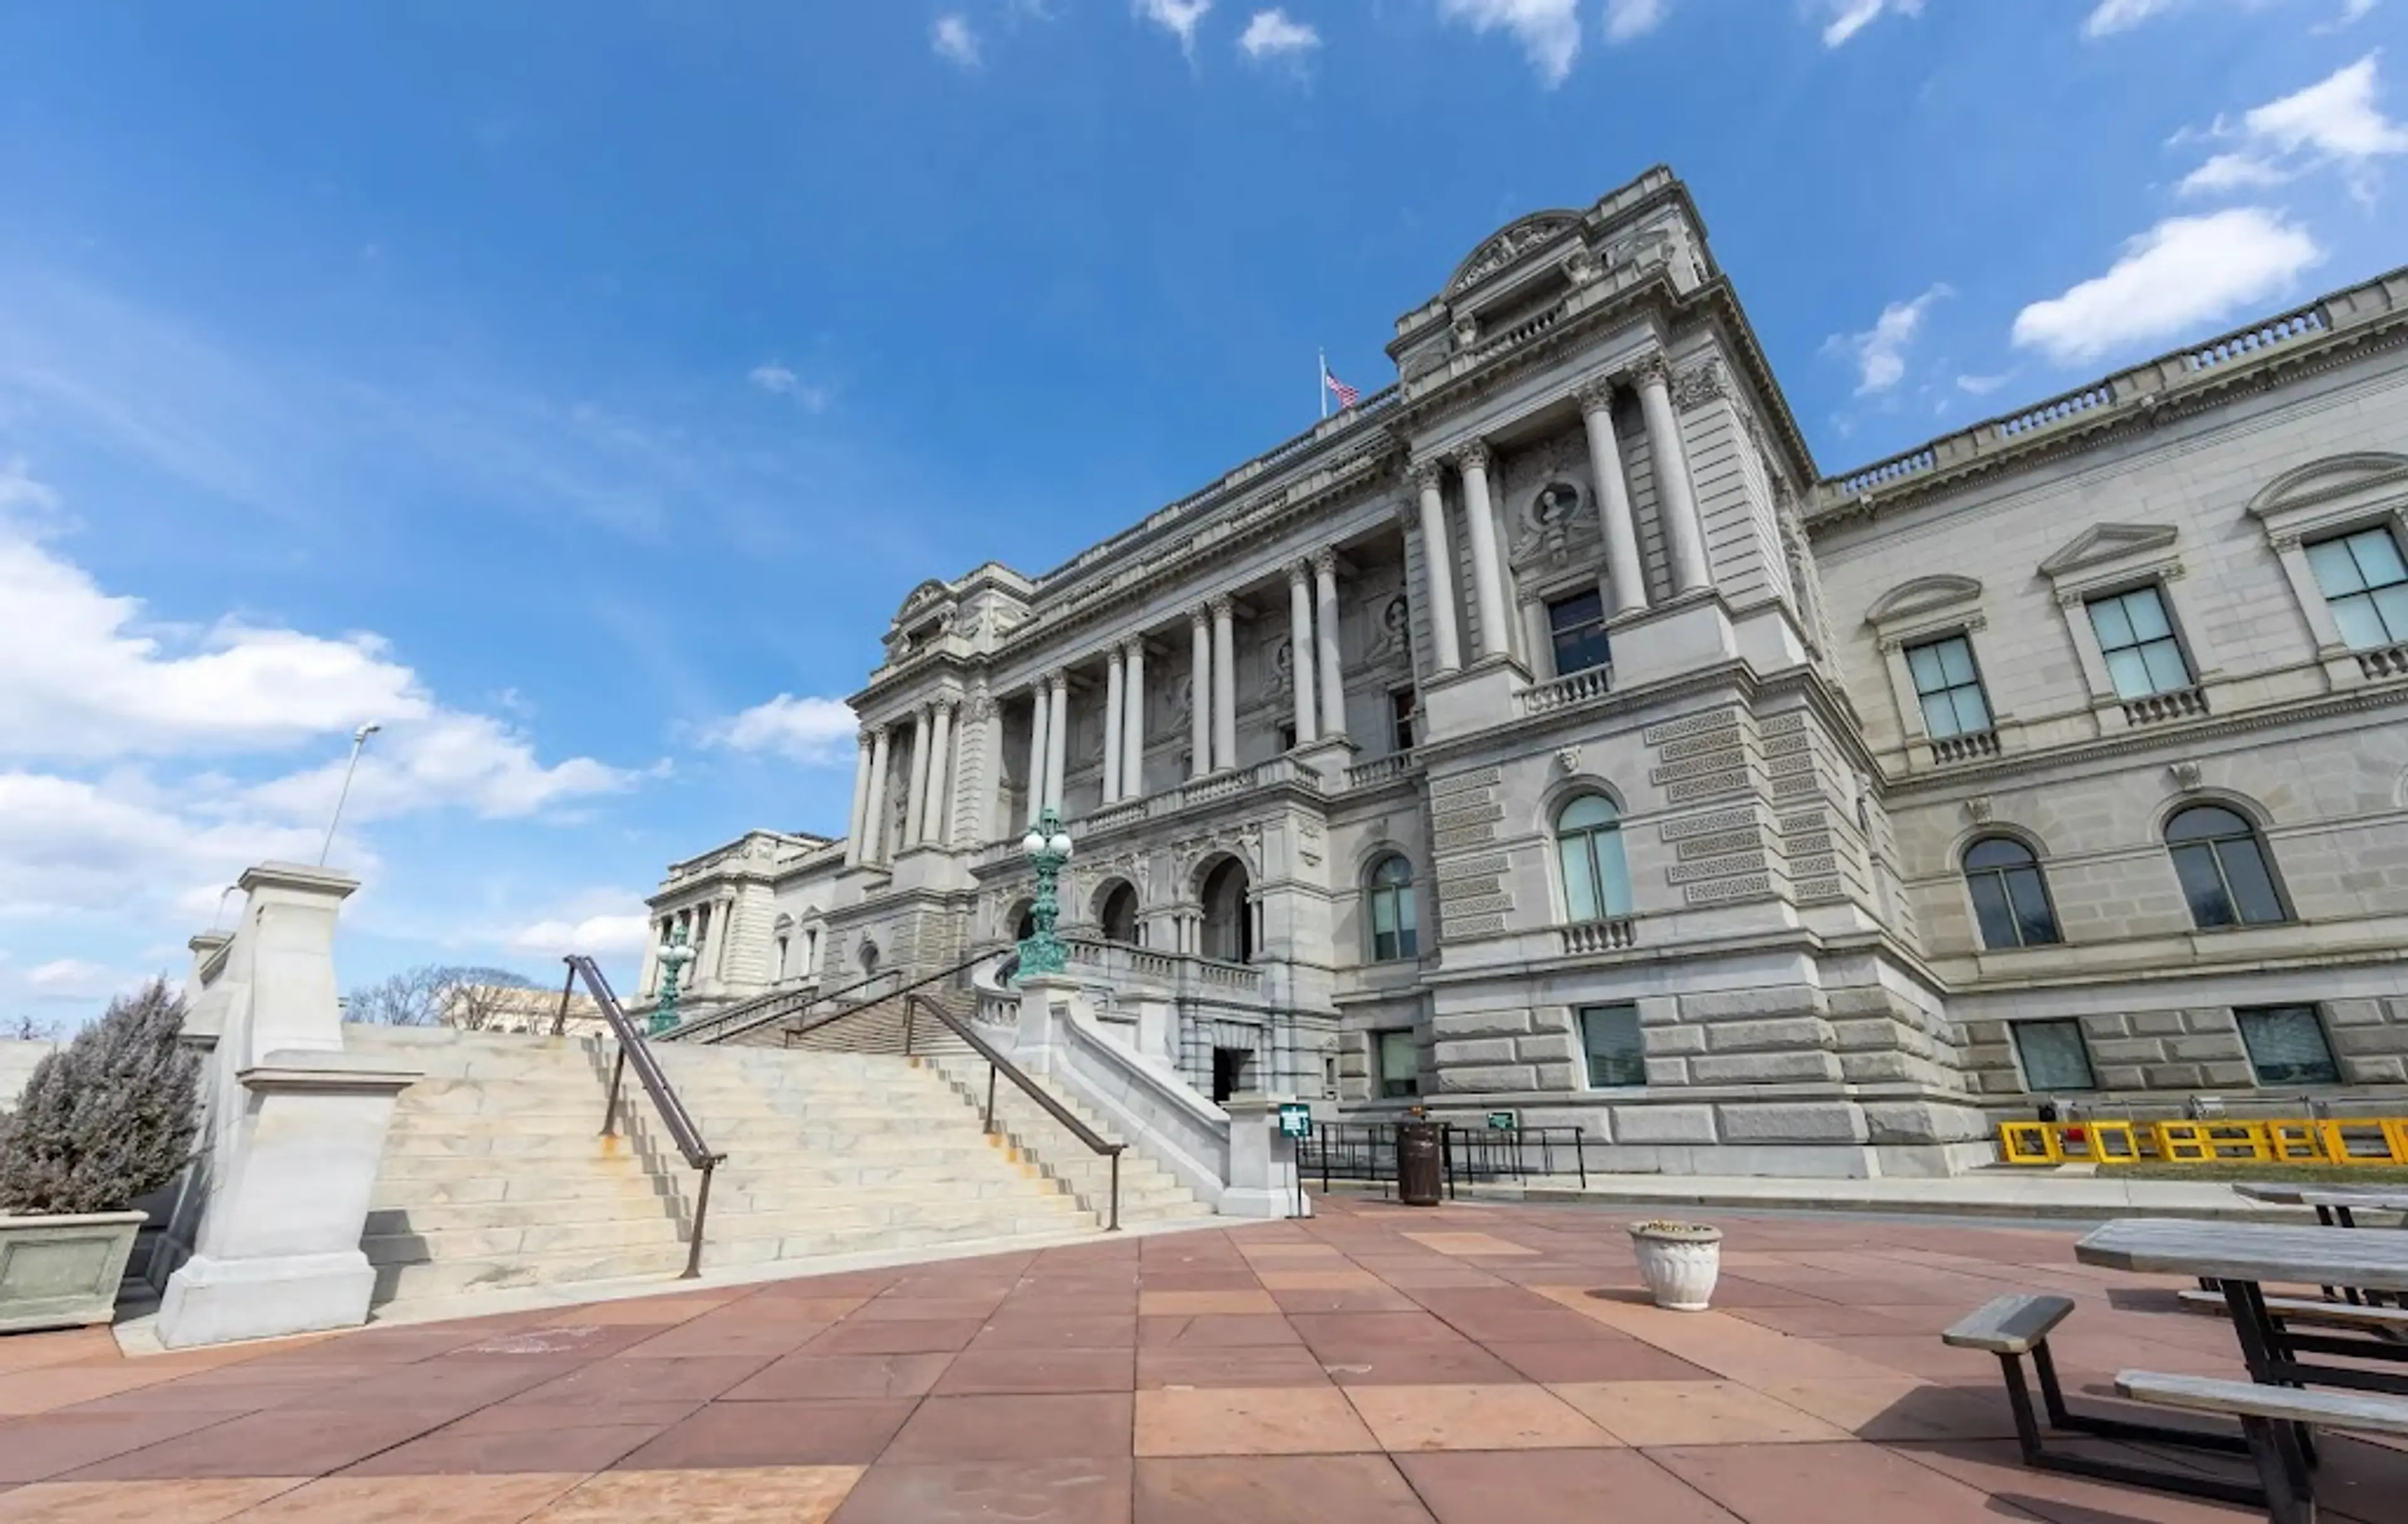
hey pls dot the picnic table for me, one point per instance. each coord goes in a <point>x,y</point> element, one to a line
<point>2334,1204</point>
<point>2241,1257</point>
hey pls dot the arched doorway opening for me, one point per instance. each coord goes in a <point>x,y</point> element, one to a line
<point>1229,915</point>
<point>1117,915</point>
<point>1022,918</point>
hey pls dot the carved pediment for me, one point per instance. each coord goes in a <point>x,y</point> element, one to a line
<point>1923,595</point>
<point>2104,542</point>
<point>2323,482</point>
<point>922,596</point>
<point>1510,243</point>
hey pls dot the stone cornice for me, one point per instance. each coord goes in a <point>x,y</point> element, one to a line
<point>2335,330</point>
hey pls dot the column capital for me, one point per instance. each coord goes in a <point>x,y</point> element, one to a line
<point>1299,572</point>
<point>1325,562</point>
<point>1427,473</point>
<point>1200,615</point>
<point>1223,606</point>
<point>979,707</point>
<point>1133,646</point>
<point>1112,653</point>
<point>869,734</point>
<point>1652,370</point>
<point>1594,394</point>
<point>1058,680</point>
<point>1475,457</point>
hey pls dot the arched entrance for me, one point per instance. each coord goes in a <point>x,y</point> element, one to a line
<point>1117,914</point>
<point>1228,916</point>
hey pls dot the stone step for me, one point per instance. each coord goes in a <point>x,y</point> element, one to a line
<point>475,1180</point>
<point>540,1239</point>
<point>389,1219</point>
<point>452,1278</point>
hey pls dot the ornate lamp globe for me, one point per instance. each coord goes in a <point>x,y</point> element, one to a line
<point>1034,842</point>
<point>677,955</point>
<point>1059,844</point>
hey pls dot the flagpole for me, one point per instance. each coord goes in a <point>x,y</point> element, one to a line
<point>1322,385</point>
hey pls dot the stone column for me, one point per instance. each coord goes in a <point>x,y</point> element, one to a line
<point>1627,577</point>
<point>852,840</point>
<point>873,836</point>
<point>1325,621</point>
<point>1057,736</point>
<point>1114,696</point>
<point>915,802</point>
<point>1300,645</point>
<point>1676,500</point>
<point>1487,574</point>
<point>1199,693</point>
<point>1225,682</point>
<point>1133,723</point>
<point>1037,726</point>
<point>654,934</point>
<point>987,715</point>
<point>940,773</point>
<point>1438,567</point>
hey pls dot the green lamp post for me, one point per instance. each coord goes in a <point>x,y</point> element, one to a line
<point>674,957</point>
<point>1048,846</point>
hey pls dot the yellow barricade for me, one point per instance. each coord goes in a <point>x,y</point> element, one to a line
<point>2353,1140</point>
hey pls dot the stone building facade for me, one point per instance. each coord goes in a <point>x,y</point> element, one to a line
<point>1548,733</point>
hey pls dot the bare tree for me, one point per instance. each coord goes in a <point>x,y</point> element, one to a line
<point>436,994</point>
<point>32,1029</point>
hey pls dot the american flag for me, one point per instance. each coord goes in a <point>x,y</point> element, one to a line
<point>1347,396</point>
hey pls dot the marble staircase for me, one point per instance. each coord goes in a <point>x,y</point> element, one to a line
<point>495,1174</point>
<point>1149,1192</point>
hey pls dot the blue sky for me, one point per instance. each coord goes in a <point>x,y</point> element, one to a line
<point>558,385</point>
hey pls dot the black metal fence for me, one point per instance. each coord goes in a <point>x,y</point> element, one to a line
<point>1367,1151</point>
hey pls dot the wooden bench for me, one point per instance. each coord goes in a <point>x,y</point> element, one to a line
<point>2016,1327</point>
<point>2337,1315</point>
<point>2271,1418</point>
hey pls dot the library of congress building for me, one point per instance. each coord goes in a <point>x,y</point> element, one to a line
<point>1548,733</point>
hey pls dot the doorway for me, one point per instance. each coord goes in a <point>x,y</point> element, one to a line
<point>1232,1073</point>
<point>1229,915</point>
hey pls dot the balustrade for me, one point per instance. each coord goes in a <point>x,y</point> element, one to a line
<point>1564,692</point>
<point>1965,748</point>
<point>1607,936</point>
<point>2389,662</point>
<point>2178,704</point>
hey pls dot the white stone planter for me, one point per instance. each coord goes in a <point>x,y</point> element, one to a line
<point>1680,1262</point>
<point>62,1272</point>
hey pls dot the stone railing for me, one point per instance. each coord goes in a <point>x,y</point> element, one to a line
<point>2177,704</point>
<point>2055,411</point>
<point>1169,972</point>
<point>1113,816</point>
<point>2390,661</point>
<point>1564,692</point>
<point>1379,770</point>
<point>1966,747</point>
<point>2140,390</point>
<point>1610,935</point>
<point>1217,785</point>
<point>1227,975</point>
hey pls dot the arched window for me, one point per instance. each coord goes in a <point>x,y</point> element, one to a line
<point>1395,934</point>
<point>1120,915</point>
<point>870,960</point>
<point>1596,879</point>
<point>2223,868</point>
<point>2010,897</point>
<point>1228,914</point>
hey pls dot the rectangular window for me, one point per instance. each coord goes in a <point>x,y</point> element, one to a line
<point>1577,624</point>
<point>1287,736</point>
<point>1618,1057</point>
<point>1401,720</point>
<point>2365,582</point>
<point>2287,1046</point>
<point>2054,1055</point>
<point>1948,687</point>
<point>1400,1063</point>
<point>2138,641</point>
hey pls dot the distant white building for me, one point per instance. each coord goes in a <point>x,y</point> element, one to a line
<point>1550,732</point>
<point>511,1008</point>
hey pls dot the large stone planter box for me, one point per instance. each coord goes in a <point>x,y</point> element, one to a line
<point>62,1272</point>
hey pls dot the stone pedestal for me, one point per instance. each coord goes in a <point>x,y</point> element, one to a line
<point>279,1249</point>
<point>1327,758</point>
<point>1670,639</point>
<point>1476,699</point>
<point>1262,1163</point>
<point>1045,1008</point>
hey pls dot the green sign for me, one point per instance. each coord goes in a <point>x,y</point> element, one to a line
<point>1296,1120</point>
<point>1501,1122</point>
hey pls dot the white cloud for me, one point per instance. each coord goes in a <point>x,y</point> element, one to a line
<point>1982,385</point>
<point>1548,30</point>
<point>1271,34</point>
<point>1880,352</point>
<point>1180,18</point>
<point>2113,16</point>
<point>954,41</point>
<point>2181,274</point>
<point>70,978</point>
<point>1850,17</point>
<point>807,729</point>
<point>777,380</point>
<point>1628,19</point>
<point>598,936</point>
<point>2337,121</point>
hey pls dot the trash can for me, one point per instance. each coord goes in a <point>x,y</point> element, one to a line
<point>1420,1169</point>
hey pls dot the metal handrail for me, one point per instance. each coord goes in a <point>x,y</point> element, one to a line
<point>764,1009</point>
<point>679,1122</point>
<point>996,1063</point>
<point>815,1023</point>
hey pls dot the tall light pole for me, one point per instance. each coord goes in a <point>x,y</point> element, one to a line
<point>1048,846</point>
<point>359,744</point>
